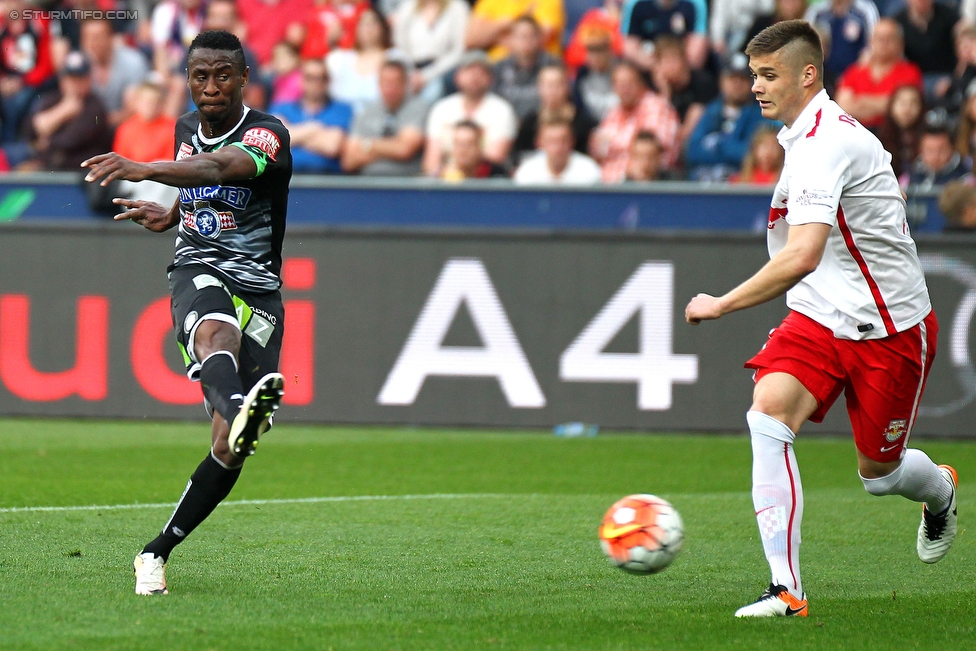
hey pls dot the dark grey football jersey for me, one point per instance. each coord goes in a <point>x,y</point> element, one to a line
<point>237,227</point>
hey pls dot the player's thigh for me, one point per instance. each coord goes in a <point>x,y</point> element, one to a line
<point>263,328</point>
<point>198,295</point>
<point>798,373</point>
<point>886,380</point>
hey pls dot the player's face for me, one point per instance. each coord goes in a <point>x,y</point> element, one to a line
<point>216,84</point>
<point>778,87</point>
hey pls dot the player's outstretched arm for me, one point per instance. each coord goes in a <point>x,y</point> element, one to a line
<point>801,256</point>
<point>225,164</point>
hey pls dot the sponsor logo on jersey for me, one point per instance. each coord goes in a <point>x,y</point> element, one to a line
<point>263,139</point>
<point>185,151</point>
<point>232,196</point>
<point>207,221</point>
<point>896,429</point>
<point>814,198</point>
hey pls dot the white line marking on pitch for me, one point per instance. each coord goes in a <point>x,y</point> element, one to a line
<point>297,500</point>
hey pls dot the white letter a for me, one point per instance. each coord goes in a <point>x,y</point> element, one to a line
<point>463,280</point>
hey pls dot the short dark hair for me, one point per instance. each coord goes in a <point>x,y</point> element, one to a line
<point>647,136</point>
<point>782,34</point>
<point>633,67</point>
<point>219,40</point>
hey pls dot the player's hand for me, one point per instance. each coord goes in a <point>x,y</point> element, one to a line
<point>703,307</point>
<point>109,167</point>
<point>148,214</point>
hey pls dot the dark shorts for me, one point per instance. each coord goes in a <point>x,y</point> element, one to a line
<point>882,379</point>
<point>200,293</point>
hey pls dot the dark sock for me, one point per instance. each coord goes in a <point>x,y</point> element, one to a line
<point>221,384</point>
<point>208,487</point>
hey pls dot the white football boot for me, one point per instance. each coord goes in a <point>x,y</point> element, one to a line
<point>937,530</point>
<point>775,602</point>
<point>150,574</point>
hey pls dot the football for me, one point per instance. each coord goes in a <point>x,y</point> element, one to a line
<point>641,534</point>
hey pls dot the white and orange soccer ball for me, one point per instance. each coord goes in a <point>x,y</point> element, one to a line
<point>641,534</point>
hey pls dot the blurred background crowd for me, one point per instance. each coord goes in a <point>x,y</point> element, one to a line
<point>541,91</point>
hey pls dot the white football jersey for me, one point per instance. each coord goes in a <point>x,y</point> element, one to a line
<point>869,284</point>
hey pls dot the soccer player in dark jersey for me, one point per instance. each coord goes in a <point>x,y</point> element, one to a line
<point>232,166</point>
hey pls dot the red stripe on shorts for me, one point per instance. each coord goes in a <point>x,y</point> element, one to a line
<point>872,285</point>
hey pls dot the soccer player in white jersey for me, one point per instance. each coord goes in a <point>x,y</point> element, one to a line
<point>860,319</point>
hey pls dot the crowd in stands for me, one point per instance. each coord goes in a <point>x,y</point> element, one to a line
<point>539,91</point>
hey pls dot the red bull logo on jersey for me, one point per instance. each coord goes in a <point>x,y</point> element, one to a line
<point>263,139</point>
<point>232,196</point>
<point>207,221</point>
<point>896,430</point>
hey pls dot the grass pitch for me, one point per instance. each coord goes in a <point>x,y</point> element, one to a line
<point>452,540</point>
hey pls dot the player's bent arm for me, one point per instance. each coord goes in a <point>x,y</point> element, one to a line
<point>214,168</point>
<point>802,254</point>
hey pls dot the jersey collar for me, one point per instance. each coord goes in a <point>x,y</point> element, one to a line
<point>804,122</point>
<point>214,141</point>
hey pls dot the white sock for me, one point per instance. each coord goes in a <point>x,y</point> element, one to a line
<point>918,479</point>
<point>777,497</point>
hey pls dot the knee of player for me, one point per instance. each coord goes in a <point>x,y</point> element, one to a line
<point>212,336</point>
<point>879,478</point>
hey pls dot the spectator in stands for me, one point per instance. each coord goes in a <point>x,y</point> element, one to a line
<point>966,133</point>
<point>355,72</point>
<point>332,25</point>
<point>430,34</point>
<point>317,123</point>
<point>687,89</point>
<point>492,20</point>
<point>599,20</point>
<point>901,128</point>
<point>70,124</point>
<point>938,162</point>
<point>516,76</point>
<point>866,88</point>
<point>387,137</point>
<point>555,105</point>
<point>271,21</point>
<point>731,20</point>
<point>951,93</point>
<point>116,67</point>
<point>474,101</point>
<point>147,135</point>
<point>928,28</point>
<point>958,203</point>
<point>286,74</point>
<point>643,21</point>
<point>763,163</point>
<point>556,162</point>
<point>783,10</point>
<point>849,24</point>
<point>639,110</point>
<point>721,139</point>
<point>645,162</point>
<point>26,67</point>
<point>593,90</point>
<point>467,160</point>
<point>174,24</point>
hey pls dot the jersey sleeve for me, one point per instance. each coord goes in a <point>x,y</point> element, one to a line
<point>815,186</point>
<point>268,144</point>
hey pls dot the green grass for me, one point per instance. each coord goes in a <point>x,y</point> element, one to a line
<point>507,558</point>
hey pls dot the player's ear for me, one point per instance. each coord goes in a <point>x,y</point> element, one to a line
<point>245,76</point>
